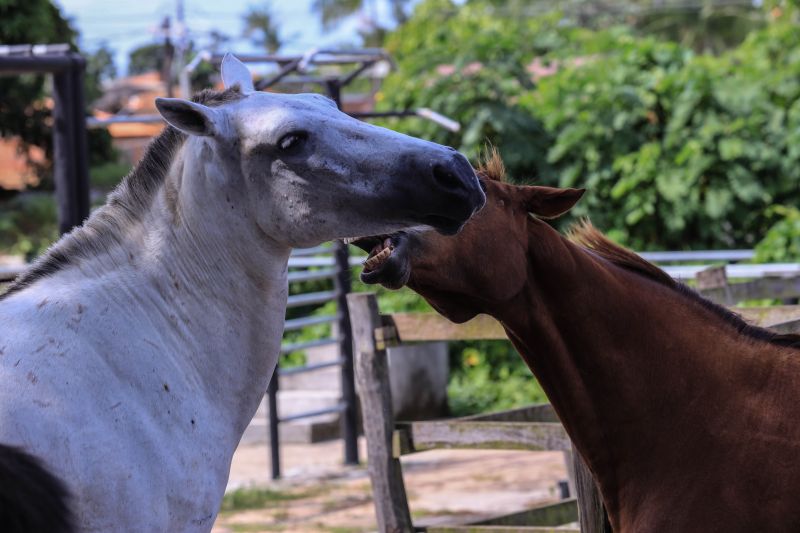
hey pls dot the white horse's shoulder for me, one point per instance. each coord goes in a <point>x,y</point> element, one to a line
<point>121,406</point>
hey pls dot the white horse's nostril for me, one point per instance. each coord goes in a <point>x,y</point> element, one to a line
<point>447,177</point>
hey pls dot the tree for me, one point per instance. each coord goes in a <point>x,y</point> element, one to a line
<point>146,58</point>
<point>261,27</point>
<point>703,25</point>
<point>100,68</point>
<point>677,149</point>
<point>101,63</point>
<point>332,12</point>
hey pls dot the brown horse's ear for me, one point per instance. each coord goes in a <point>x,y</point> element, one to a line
<point>550,202</point>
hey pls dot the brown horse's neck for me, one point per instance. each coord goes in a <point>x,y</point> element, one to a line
<point>637,370</point>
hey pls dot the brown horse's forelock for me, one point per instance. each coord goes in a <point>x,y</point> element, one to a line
<point>126,204</point>
<point>588,237</point>
<point>492,166</point>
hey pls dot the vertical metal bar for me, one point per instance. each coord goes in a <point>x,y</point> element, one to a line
<point>343,286</point>
<point>81,155</point>
<point>64,151</point>
<point>350,414</point>
<point>274,444</point>
<point>334,91</point>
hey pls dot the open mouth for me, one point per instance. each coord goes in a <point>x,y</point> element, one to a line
<point>387,262</point>
<point>380,249</point>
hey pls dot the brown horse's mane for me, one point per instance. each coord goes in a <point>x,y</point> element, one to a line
<point>128,202</point>
<point>588,237</point>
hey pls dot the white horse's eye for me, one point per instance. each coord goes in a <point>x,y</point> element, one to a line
<point>292,140</point>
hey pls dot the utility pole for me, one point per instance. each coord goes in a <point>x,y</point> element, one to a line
<point>169,52</point>
<point>181,34</point>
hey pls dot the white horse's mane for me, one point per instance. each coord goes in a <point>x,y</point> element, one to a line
<point>131,198</point>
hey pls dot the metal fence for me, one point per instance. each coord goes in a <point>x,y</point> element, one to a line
<point>316,264</point>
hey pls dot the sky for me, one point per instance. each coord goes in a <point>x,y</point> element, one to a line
<point>125,25</point>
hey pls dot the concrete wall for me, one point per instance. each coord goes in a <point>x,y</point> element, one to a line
<point>419,375</point>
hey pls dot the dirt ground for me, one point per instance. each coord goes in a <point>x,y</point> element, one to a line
<point>319,495</point>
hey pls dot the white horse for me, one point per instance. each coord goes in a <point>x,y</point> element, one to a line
<point>135,351</point>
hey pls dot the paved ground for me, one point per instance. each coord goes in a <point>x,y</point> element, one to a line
<point>319,495</point>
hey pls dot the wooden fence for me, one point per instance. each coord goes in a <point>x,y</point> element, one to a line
<point>534,428</point>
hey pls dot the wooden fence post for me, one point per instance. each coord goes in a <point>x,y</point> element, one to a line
<point>372,379</point>
<point>712,283</point>
<point>592,514</point>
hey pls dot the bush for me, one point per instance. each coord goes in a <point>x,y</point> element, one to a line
<point>105,176</point>
<point>489,376</point>
<point>678,150</point>
<point>28,224</point>
<point>782,242</point>
<point>474,68</point>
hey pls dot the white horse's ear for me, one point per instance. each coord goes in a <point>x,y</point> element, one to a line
<point>189,117</point>
<point>234,71</point>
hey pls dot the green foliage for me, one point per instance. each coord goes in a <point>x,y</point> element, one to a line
<point>29,220</point>
<point>100,68</point>
<point>333,12</point>
<point>28,224</point>
<point>472,69</point>
<point>677,149</point>
<point>22,110</point>
<point>489,376</point>
<point>106,176</point>
<point>258,498</point>
<point>781,244</point>
<point>262,28</point>
<point>146,58</point>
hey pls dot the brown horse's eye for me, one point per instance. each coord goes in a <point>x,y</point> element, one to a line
<point>292,141</point>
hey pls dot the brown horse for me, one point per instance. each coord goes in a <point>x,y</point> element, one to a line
<point>687,417</point>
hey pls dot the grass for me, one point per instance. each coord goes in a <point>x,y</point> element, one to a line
<point>281,515</point>
<point>257,498</point>
<point>335,529</point>
<point>249,528</point>
<point>424,513</point>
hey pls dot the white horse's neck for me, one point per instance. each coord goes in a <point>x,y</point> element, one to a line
<point>214,286</point>
<point>225,279</point>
